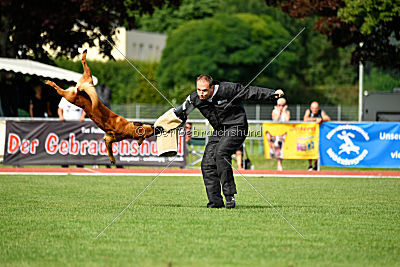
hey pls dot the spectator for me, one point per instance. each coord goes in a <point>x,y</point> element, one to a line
<point>315,114</point>
<point>280,114</point>
<point>38,106</point>
<point>188,132</point>
<point>69,112</point>
<point>239,158</point>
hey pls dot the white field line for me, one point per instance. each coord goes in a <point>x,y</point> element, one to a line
<point>199,175</point>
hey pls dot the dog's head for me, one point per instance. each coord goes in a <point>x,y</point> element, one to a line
<point>276,143</point>
<point>142,131</point>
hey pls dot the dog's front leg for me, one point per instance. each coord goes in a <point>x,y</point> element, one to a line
<point>109,141</point>
<point>140,140</point>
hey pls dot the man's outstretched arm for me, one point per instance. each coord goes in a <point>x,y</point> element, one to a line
<point>183,110</point>
<point>254,93</point>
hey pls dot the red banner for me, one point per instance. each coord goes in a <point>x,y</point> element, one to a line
<point>70,143</point>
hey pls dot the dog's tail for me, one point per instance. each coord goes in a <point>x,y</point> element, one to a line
<point>86,83</point>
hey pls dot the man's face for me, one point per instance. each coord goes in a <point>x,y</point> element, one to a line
<point>314,108</point>
<point>204,90</point>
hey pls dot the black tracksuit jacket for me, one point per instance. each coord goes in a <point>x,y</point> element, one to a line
<point>221,111</point>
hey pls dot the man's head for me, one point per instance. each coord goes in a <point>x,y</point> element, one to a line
<point>314,107</point>
<point>205,89</point>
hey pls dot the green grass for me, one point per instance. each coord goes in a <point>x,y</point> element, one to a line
<point>53,220</point>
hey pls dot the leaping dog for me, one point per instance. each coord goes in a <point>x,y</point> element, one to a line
<point>116,127</point>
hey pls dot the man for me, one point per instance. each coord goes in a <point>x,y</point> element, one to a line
<point>39,105</point>
<point>314,113</point>
<point>222,104</point>
<point>69,112</point>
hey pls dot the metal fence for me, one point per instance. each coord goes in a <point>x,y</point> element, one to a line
<point>254,111</point>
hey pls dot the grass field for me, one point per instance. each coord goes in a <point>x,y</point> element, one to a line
<point>53,220</point>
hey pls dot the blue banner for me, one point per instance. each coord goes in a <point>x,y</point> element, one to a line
<point>366,145</point>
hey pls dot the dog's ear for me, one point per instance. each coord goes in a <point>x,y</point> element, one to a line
<point>268,135</point>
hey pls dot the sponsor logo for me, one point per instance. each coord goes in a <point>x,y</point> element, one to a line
<point>348,153</point>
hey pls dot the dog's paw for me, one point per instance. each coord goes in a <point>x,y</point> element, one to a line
<point>140,140</point>
<point>82,50</point>
<point>112,160</point>
<point>50,83</point>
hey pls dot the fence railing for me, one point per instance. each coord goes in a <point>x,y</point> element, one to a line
<point>254,111</point>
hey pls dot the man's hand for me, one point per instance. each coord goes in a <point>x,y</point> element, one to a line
<point>278,93</point>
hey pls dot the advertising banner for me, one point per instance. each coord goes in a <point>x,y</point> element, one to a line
<point>367,145</point>
<point>70,143</point>
<point>291,140</point>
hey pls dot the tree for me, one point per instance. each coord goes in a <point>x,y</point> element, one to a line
<point>165,19</point>
<point>227,47</point>
<point>64,26</point>
<point>376,24</point>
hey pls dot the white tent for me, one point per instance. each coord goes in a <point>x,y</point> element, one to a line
<point>30,67</point>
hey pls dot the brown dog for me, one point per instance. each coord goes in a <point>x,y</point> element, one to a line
<point>116,127</point>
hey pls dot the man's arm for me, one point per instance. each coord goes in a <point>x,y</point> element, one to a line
<point>325,116</point>
<point>260,93</point>
<point>83,115</point>
<point>307,116</point>
<point>275,114</point>
<point>60,114</point>
<point>287,112</point>
<point>184,110</point>
<point>31,110</point>
<point>254,93</point>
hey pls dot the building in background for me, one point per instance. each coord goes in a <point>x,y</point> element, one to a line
<point>133,44</point>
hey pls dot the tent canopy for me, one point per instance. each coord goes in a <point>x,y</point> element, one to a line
<point>30,67</point>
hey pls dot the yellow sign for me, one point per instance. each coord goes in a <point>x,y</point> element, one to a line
<point>291,140</point>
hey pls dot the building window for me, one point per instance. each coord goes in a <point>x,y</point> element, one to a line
<point>150,55</point>
<point>134,50</point>
<point>140,51</point>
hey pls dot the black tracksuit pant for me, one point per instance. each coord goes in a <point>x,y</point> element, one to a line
<point>216,164</point>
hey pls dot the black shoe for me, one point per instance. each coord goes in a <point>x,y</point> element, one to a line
<point>214,205</point>
<point>315,168</point>
<point>230,202</point>
<point>310,168</point>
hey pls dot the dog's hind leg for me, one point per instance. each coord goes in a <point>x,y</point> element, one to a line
<point>86,83</point>
<point>69,94</point>
<point>109,141</point>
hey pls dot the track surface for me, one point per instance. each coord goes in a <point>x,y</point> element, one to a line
<point>196,172</point>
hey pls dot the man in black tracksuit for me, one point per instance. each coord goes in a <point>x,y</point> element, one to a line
<point>221,103</point>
